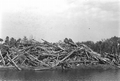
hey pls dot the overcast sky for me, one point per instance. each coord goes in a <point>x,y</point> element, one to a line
<point>54,20</point>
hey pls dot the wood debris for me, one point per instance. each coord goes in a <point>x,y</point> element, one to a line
<point>48,55</point>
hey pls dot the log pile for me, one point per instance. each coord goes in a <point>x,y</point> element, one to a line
<point>46,55</point>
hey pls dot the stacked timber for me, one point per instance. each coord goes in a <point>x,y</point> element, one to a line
<point>46,55</point>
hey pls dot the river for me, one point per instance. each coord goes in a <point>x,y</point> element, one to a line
<point>59,75</point>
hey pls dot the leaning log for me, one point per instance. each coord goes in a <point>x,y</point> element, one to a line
<point>13,62</point>
<point>2,58</point>
<point>38,60</point>
<point>64,58</point>
<point>95,54</point>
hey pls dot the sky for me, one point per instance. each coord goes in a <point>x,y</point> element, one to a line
<point>54,20</point>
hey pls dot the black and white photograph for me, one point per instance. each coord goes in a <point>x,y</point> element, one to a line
<point>59,40</point>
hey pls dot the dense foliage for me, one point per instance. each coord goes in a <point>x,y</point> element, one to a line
<point>111,45</point>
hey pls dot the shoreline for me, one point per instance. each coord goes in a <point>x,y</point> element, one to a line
<point>96,67</point>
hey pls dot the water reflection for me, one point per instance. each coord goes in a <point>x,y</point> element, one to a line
<point>70,75</point>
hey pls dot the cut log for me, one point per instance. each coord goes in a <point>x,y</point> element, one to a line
<point>61,47</point>
<point>95,55</point>
<point>38,60</point>
<point>13,62</point>
<point>64,58</point>
<point>2,58</point>
<point>43,48</point>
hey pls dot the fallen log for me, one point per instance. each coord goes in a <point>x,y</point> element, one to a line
<point>45,54</point>
<point>95,54</point>
<point>64,58</point>
<point>38,60</point>
<point>13,62</point>
<point>60,47</point>
<point>2,58</point>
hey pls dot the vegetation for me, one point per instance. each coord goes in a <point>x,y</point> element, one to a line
<point>111,45</point>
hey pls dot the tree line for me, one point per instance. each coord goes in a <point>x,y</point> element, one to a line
<point>110,45</point>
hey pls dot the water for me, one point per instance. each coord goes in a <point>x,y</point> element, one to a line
<point>70,75</point>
